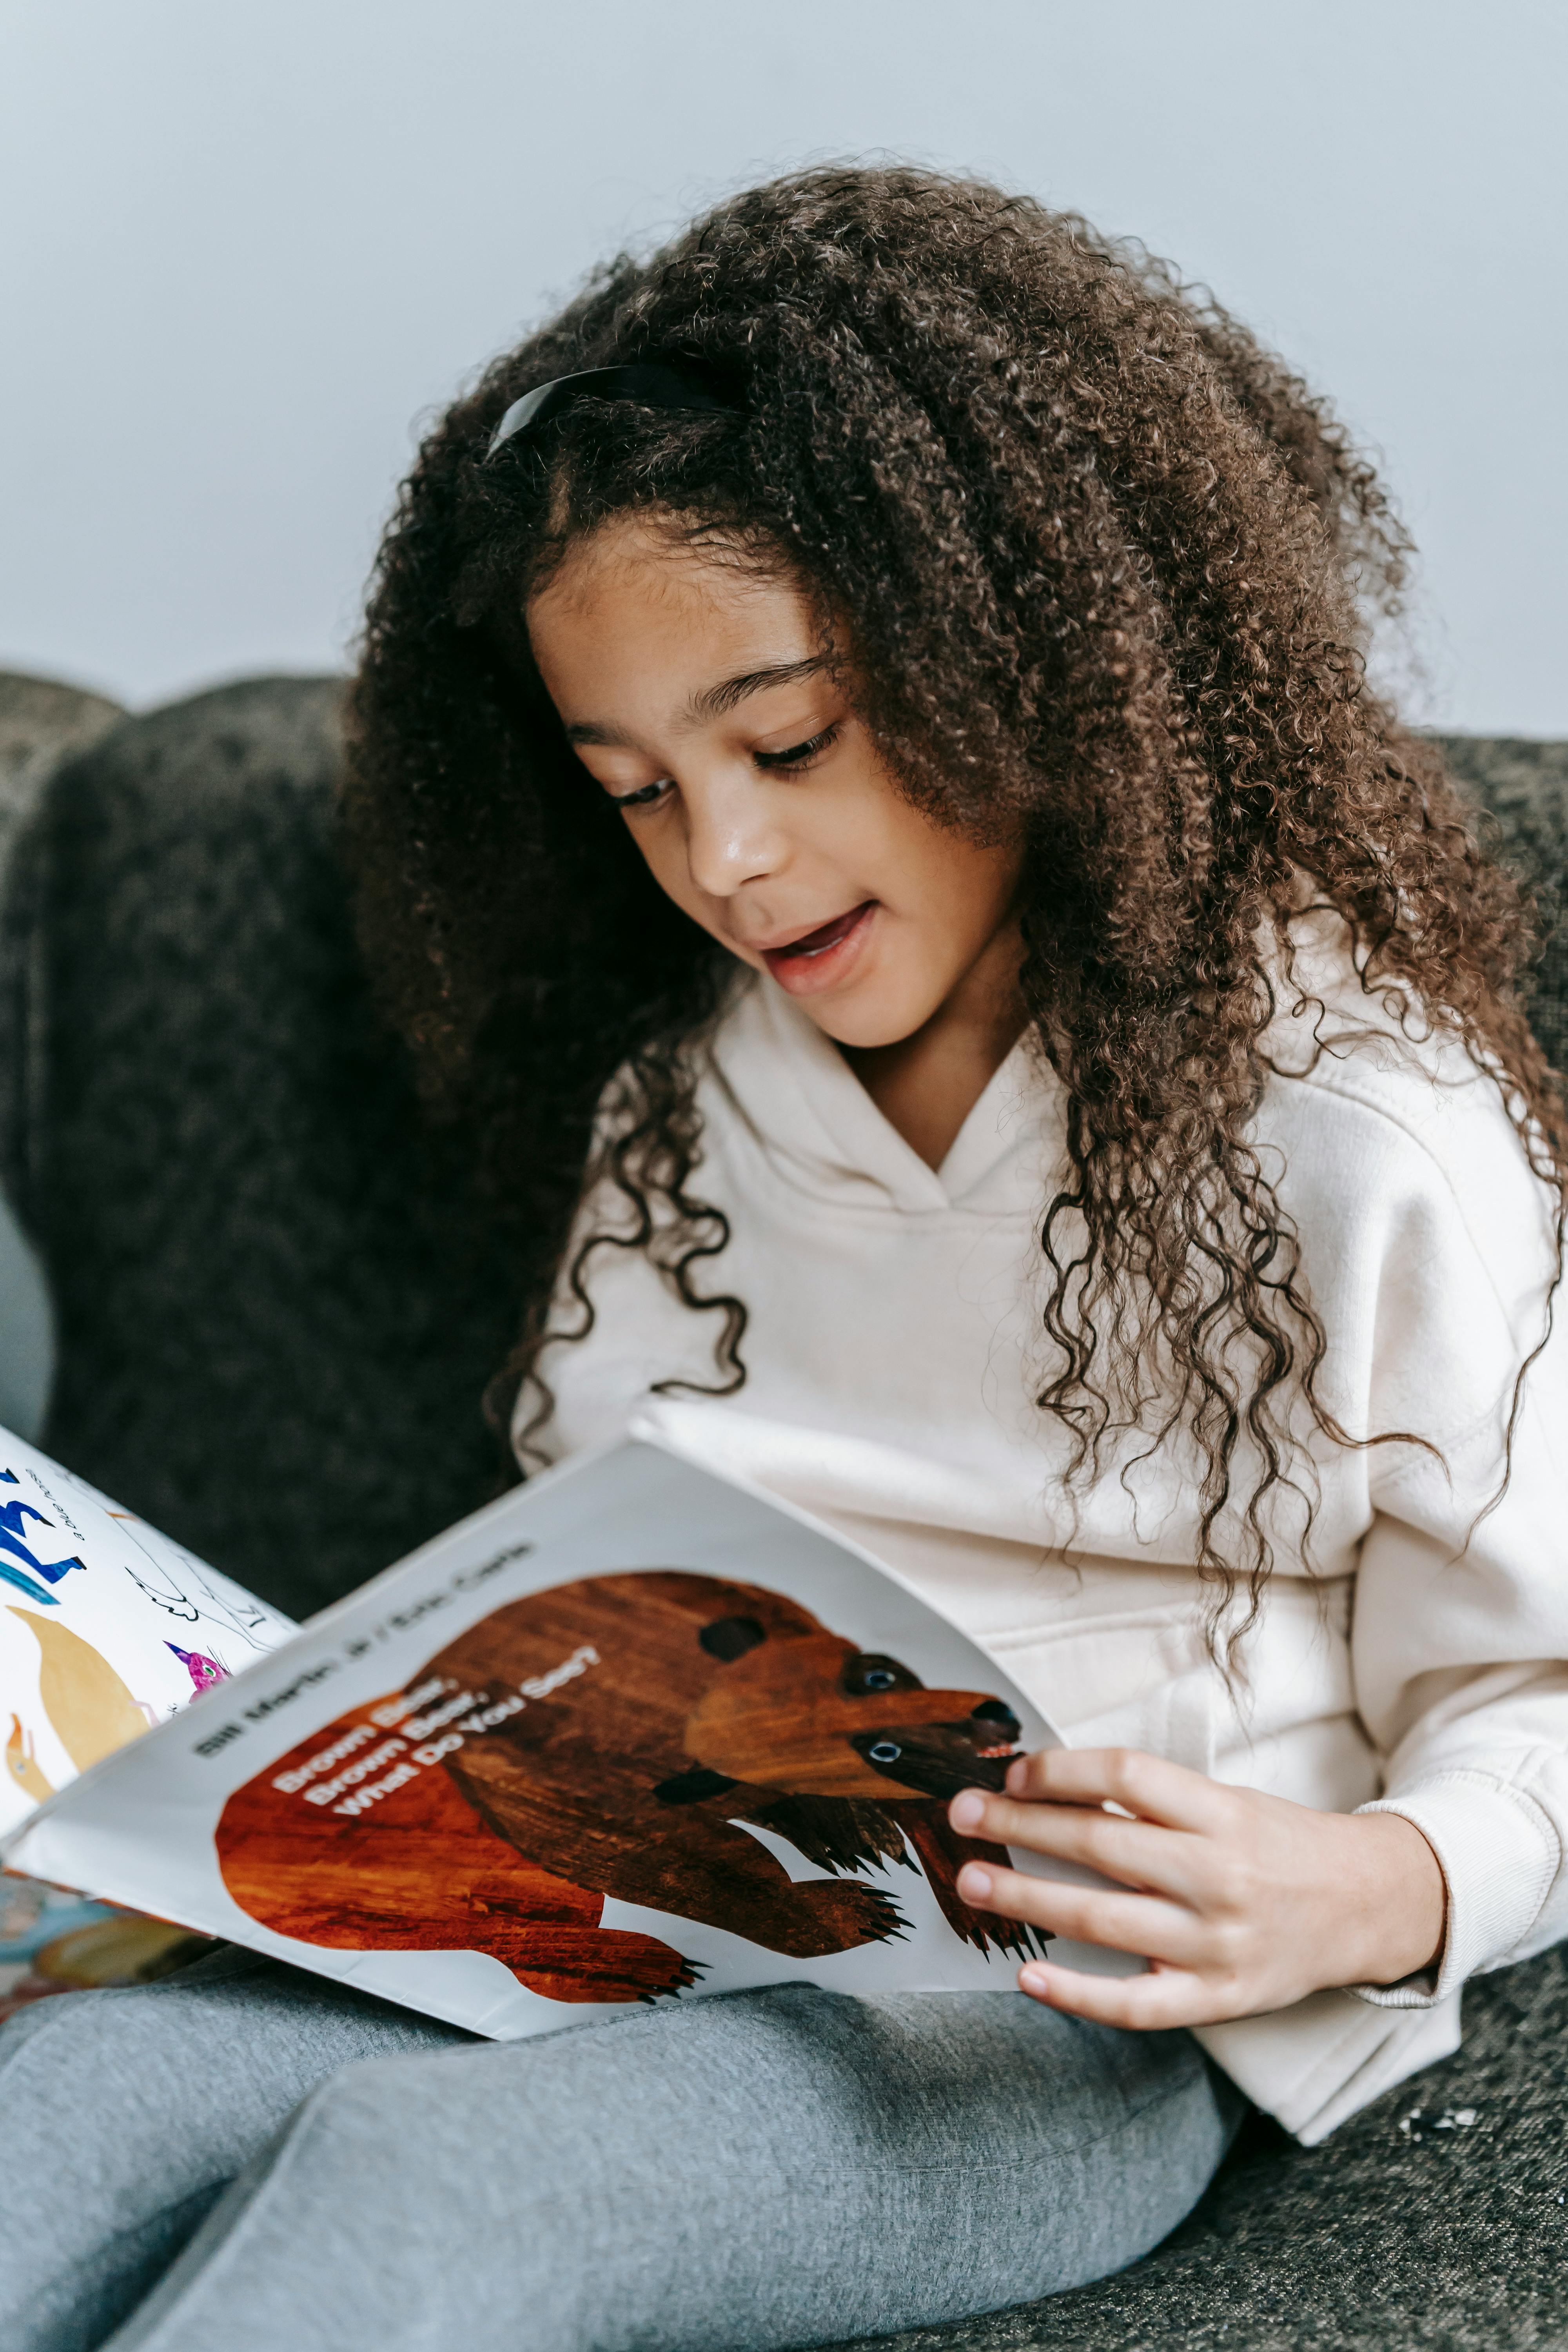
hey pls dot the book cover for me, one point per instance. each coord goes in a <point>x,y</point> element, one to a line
<point>633,1731</point>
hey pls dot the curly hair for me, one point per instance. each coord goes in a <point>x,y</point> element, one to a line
<point>1103,567</point>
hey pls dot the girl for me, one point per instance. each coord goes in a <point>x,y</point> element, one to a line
<point>867,791</point>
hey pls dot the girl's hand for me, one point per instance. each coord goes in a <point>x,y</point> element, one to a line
<point>1239,1901</point>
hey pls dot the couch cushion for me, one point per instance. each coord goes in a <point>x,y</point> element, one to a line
<point>41,723</point>
<point>1524,787</point>
<point>275,1301</point>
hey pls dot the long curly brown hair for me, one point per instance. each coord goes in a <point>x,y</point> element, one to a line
<point>1103,567</point>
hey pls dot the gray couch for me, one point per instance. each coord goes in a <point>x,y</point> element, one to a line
<point>277,1301</point>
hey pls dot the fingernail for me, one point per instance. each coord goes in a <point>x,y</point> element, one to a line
<point>1015,1777</point>
<point>975,1884</point>
<point>1032,1980</point>
<point>967,1809</point>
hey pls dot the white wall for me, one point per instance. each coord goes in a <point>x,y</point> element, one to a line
<point>248,242</point>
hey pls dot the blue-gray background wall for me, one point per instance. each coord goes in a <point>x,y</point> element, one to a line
<point>247,244</point>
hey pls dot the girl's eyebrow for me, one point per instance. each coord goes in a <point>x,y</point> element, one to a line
<point>714,701</point>
<point>584,732</point>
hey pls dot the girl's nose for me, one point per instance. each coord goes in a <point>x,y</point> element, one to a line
<point>732,834</point>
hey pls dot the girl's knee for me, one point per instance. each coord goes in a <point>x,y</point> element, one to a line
<point>382,2126</point>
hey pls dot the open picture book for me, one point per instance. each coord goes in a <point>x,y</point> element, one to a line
<point>633,1730</point>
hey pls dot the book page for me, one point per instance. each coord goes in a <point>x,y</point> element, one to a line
<point>107,1628</point>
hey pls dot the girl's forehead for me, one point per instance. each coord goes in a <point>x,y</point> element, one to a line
<point>646,562</point>
<point>634,606</point>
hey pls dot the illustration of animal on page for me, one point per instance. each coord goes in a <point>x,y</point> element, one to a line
<point>608,1738</point>
<point>19,1522</point>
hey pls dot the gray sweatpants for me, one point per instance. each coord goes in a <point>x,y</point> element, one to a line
<point>248,2158</point>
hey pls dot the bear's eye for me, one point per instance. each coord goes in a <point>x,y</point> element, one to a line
<point>870,1672</point>
<point>884,1751</point>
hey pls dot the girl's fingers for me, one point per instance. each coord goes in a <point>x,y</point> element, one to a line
<point>1146,2004</point>
<point>1171,1861</point>
<point>1147,1786</point>
<point>1143,1923</point>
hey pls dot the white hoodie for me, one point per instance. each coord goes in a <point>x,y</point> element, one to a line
<point>892,1358</point>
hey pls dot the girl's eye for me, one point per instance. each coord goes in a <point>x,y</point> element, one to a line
<point>644,797</point>
<point>799,755</point>
<point>788,762</point>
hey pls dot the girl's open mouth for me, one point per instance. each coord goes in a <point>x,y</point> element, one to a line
<point>818,958</point>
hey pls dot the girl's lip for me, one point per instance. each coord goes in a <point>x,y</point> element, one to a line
<point>818,959</point>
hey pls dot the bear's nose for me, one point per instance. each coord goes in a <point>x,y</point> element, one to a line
<point>995,1710</point>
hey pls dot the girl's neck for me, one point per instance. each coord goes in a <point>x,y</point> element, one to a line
<point>926,1085</point>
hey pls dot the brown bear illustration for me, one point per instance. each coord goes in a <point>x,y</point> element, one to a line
<point>603,1738</point>
<point>422,1873</point>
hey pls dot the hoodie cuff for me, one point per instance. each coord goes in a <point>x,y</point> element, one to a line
<point>1499,1853</point>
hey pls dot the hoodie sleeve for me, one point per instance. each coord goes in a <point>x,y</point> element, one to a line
<point>1459,1638</point>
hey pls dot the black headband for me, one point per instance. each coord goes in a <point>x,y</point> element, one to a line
<point>652,384</point>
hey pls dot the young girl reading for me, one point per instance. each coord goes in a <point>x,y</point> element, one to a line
<point>867,794</point>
